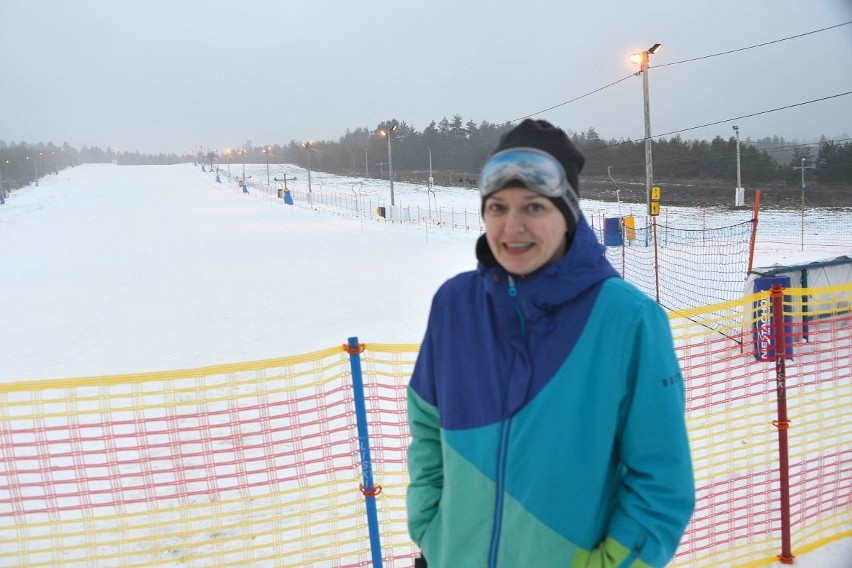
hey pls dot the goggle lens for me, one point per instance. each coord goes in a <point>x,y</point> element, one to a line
<point>534,169</point>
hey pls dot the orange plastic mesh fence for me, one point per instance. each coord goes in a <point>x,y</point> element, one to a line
<point>258,463</point>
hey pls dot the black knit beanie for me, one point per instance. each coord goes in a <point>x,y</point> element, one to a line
<point>542,135</point>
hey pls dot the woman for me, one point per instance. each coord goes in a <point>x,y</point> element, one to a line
<point>546,405</point>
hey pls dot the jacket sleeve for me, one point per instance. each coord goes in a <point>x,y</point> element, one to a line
<point>656,496</point>
<point>425,460</point>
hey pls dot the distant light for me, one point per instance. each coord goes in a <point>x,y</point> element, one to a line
<point>636,58</point>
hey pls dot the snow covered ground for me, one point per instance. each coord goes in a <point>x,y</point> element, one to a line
<point>110,269</point>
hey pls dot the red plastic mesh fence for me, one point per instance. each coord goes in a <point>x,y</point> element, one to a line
<point>257,464</point>
<point>731,385</point>
<point>240,465</point>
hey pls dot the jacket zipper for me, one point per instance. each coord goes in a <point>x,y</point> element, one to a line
<point>501,484</point>
<point>501,455</point>
<point>513,293</point>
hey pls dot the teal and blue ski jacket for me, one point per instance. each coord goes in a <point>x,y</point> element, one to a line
<point>547,421</point>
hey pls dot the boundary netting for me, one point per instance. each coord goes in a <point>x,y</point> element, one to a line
<point>251,464</point>
<point>259,464</point>
<point>732,389</point>
<point>666,262</point>
<point>664,256</point>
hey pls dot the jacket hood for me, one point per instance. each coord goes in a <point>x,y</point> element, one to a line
<point>583,266</point>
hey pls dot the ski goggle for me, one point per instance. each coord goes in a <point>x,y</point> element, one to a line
<point>534,169</point>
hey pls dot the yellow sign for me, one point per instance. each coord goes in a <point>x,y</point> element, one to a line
<point>630,227</point>
<point>654,202</point>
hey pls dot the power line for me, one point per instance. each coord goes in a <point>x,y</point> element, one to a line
<point>687,61</point>
<point>753,114</point>
<point>574,99</point>
<point>751,46</point>
<point>729,119</point>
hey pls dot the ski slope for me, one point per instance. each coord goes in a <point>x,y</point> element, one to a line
<point>111,269</point>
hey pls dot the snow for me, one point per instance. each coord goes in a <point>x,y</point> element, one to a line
<point>109,269</point>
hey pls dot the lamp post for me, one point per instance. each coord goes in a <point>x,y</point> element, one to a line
<point>35,163</point>
<point>803,167</point>
<point>366,165</point>
<point>431,179</point>
<point>737,131</point>
<point>228,155</point>
<point>308,150</point>
<point>642,60</point>
<point>267,151</point>
<point>389,134</point>
<point>5,175</point>
<point>738,200</point>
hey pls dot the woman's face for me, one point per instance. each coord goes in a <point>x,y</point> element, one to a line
<point>525,230</point>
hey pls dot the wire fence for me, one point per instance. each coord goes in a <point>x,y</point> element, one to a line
<point>686,257</point>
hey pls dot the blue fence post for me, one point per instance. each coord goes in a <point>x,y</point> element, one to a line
<point>367,488</point>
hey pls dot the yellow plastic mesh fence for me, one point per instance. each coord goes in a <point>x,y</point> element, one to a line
<point>257,464</point>
<point>729,368</point>
<point>250,464</point>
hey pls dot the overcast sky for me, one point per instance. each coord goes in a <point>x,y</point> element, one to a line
<point>164,75</point>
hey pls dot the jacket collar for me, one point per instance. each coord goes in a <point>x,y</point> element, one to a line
<point>583,266</point>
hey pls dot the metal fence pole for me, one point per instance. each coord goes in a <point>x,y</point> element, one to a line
<point>367,488</point>
<point>782,424</point>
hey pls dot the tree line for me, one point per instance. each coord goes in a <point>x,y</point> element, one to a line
<point>460,148</point>
<point>457,150</point>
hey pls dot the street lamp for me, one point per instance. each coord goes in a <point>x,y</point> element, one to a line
<point>431,179</point>
<point>228,155</point>
<point>307,146</point>
<point>642,60</point>
<point>738,198</point>
<point>803,167</point>
<point>267,151</point>
<point>243,152</point>
<point>389,134</point>
<point>35,162</point>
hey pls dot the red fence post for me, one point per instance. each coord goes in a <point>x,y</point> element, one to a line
<point>782,424</point>
<point>754,216</point>
<point>656,259</point>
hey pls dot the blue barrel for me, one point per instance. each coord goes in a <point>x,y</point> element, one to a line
<point>764,322</point>
<point>612,232</point>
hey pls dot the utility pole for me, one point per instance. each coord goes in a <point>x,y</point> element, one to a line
<point>642,59</point>
<point>389,133</point>
<point>431,179</point>
<point>803,167</point>
<point>739,197</point>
